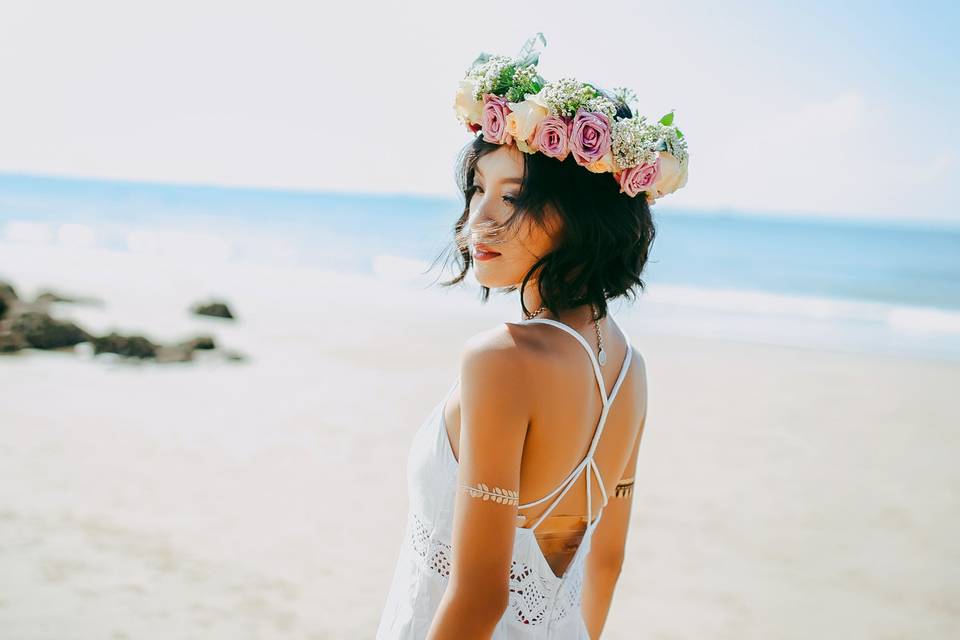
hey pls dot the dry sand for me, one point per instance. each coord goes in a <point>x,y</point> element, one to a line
<point>781,492</point>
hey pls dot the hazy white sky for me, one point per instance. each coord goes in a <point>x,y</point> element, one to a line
<point>831,110</point>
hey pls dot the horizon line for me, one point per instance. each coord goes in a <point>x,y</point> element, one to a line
<point>840,218</point>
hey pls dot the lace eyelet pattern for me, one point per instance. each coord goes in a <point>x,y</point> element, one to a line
<point>569,598</point>
<point>529,592</point>
<point>434,554</point>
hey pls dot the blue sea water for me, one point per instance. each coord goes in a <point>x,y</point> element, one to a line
<point>898,284</point>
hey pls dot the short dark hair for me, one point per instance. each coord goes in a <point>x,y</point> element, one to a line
<point>606,239</point>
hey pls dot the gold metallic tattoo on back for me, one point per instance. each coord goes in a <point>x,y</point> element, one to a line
<point>503,496</point>
<point>624,488</point>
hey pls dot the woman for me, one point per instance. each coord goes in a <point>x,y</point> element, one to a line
<point>520,480</point>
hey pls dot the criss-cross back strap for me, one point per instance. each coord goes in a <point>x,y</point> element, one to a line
<point>588,462</point>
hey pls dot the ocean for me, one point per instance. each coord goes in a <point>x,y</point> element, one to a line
<point>889,288</point>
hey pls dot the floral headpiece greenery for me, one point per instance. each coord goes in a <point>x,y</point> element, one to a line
<point>507,101</point>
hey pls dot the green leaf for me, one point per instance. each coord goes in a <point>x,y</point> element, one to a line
<point>667,120</point>
<point>679,134</point>
<point>529,53</point>
<point>504,80</point>
<point>480,59</point>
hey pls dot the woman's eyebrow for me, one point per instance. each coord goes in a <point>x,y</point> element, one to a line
<point>513,179</point>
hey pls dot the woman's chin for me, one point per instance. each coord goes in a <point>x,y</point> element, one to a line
<point>491,282</point>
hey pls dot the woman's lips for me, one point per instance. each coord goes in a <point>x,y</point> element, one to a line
<point>483,253</point>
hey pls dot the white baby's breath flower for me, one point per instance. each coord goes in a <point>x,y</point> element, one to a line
<point>625,95</point>
<point>566,95</point>
<point>676,145</point>
<point>633,142</point>
<point>668,140</point>
<point>486,74</point>
<point>524,74</point>
<point>601,104</point>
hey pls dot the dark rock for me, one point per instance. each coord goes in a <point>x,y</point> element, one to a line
<point>11,341</point>
<point>8,298</point>
<point>183,351</point>
<point>41,331</point>
<point>7,291</point>
<point>130,346</point>
<point>200,342</point>
<point>48,296</point>
<point>214,309</point>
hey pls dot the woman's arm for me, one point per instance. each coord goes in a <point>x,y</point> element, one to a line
<point>494,416</point>
<point>605,560</point>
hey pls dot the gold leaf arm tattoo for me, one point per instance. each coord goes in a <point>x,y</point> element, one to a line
<point>624,488</point>
<point>503,496</point>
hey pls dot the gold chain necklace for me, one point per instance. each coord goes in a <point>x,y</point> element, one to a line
<point>602,356</point>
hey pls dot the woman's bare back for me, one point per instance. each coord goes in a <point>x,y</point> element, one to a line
<point>565,410</point>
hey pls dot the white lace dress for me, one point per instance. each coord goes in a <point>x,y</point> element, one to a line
<point>541,604</point>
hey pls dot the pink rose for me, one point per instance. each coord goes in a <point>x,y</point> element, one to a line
<point>551,137</point>
<point>640,178</point>
<point>589,136</point>
<point>494,121</point>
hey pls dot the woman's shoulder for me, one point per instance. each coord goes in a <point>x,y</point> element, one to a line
<point>512,342</point>
<point>515,348</point>
<point>507,352</point>
<point>494,372</point>
<point>503,345</point>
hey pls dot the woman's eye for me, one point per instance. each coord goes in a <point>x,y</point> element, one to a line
<point>475,189</point>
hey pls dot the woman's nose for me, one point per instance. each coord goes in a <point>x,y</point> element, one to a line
<point>480,213</point>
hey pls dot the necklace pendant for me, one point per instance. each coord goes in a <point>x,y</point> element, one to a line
<point>602,357</point>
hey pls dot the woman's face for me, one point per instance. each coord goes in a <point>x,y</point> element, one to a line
<point>498,177</point>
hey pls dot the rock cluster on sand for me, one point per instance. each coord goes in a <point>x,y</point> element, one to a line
<point>29,325</point>
<point>216,309</point>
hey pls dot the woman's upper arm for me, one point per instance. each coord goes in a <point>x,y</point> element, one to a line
<point>494,415</point>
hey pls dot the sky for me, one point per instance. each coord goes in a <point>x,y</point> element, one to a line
<point>840,109</point>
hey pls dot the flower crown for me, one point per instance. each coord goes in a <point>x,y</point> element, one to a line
<point>509,102</point>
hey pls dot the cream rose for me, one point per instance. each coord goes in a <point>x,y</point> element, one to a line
<point>604,164</point>
<point>523,120</point>
<point>673,174</point>
<point>469,110</point>
<point>523,146</point>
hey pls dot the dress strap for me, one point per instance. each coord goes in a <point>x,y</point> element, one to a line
<point>587,462</point>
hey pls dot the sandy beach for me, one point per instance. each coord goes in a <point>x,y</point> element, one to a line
<point>781,492</point>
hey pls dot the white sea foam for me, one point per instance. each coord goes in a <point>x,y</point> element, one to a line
<point>28,232</point>
<point>76,236</point>
<point>752,302</point>
<point>203,247</point>
<point>924,320</point>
